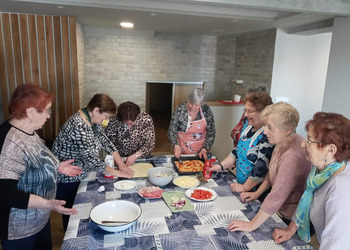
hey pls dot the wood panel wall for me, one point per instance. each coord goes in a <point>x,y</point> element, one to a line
<point>42,50</point>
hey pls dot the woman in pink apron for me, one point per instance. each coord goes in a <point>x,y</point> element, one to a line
<point>192,127</point>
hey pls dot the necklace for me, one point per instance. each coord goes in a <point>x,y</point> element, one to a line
<point>86,113</point>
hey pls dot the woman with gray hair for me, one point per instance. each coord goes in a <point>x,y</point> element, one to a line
<point>192,127</point>
<point>288,168</point>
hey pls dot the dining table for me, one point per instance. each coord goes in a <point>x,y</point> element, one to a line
<point>204,227</point>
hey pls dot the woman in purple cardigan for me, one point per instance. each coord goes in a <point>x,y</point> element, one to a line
<point>288,168</point>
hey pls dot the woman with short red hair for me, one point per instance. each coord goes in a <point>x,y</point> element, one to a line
<point>28,173</point>
<point>326,199</point>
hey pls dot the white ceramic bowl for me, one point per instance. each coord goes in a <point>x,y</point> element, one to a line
<point>117,210</point>
<point>153,176</point>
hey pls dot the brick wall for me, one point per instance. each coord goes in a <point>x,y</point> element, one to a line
<point>121,65</point>
<point>254,61</point>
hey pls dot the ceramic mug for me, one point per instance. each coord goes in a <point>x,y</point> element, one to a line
<point>236,98</point>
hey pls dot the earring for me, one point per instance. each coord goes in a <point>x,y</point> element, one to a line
<point>325,160</point>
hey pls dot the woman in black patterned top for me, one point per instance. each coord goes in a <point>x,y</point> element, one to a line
<point>28,173</point>
<point>132,132</point>
<point>192,126</point>
<point>81,138</point>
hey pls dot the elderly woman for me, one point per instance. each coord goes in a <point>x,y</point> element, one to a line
<point>28,173</point>
<point>326,198</point>
<point>288,168</point>
<point>192,127</point>
<point>253,152</point>
<point>81,138</point>
<point>132,132</point>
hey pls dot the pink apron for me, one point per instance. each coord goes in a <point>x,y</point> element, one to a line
<point>193,139</point>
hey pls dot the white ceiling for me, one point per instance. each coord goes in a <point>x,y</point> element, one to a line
<point>210,17</point>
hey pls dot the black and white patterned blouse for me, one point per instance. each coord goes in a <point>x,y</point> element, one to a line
<point>179,120</point>
<point>27,167</point>
<point>77,140</point>
<point>140,137</point>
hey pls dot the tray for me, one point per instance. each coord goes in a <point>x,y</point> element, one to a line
<point>186,158</point>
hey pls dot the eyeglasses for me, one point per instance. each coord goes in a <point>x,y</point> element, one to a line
<point>309,141</point>
<point>249,111</point>
<point>106,115</point>
<point>49,111</point>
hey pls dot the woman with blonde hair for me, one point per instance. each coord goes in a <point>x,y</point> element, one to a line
<point>288,168</point>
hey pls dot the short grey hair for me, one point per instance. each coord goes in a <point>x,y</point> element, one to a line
<point>197,96</point>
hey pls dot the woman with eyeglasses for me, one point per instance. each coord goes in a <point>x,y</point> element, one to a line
<point>28,173</point>
<point>252,154</point>
<point>192,126</point>
<point>288,168</point>
<point>81,138</point>
<point>326,199</point>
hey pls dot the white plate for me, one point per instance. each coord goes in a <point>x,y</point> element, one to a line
<point>142,190</point>
<point>195,181</point>
<point>191,190</point>
<point>125,185</point>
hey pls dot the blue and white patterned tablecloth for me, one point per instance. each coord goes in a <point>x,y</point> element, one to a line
<point>158,228</point>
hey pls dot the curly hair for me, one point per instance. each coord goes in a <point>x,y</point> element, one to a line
<point>258,99</point>
<point>332,128</point>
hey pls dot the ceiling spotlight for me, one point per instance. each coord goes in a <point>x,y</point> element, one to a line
<point>234,20</point>
<point>153,14</point>
<point>127,25</point>
<point>60,7</point>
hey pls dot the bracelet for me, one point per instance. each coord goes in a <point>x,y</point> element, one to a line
<point>222,167</point>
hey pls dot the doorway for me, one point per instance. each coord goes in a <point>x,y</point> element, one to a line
<point>159,100</point>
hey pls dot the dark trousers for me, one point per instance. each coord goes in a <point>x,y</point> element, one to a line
<point>38,241</point>
<point>67,192</point>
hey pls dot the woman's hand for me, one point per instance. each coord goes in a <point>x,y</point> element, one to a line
<point>57,206</point>
<point>236,187</point>
<point>177,151</point>
<point>125,171</point>
<point>124,174</point>
<point>280,235</point>
<point>249,196</point>
<point>240,226</point>
<point>68,169</point>
<point>216,168</point>
<point>203,153</point>
<point>131,160</point>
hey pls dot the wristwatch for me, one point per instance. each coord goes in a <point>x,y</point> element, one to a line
<point>222,167</point>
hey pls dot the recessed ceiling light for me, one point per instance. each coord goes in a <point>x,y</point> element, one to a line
<point>309,15</point>
<point>127,25</point>
<point>60,7</point>
<point>234,20</point>
<point>153,14</point>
